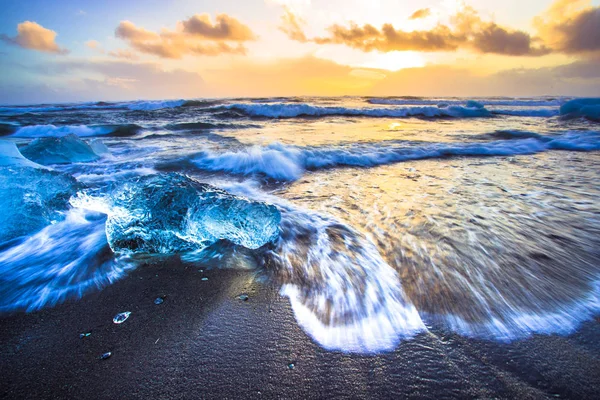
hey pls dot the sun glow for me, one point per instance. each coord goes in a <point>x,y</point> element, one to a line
<point>395,60</point>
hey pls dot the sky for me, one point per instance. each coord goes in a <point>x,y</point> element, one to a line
<point>69,51</point>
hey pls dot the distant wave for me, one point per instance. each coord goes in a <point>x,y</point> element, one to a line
<point>191,126</point>
<point>288,163</point>
<point>79,130</point>
<point>7,129</point>
<point>140,105</point>
<point>542,112</point>
<point>443,110</point>
<point>154,105</point>
<point>582,108</point>
<point>487,102</point>
<point>100,105</point>
<point>286,110</point>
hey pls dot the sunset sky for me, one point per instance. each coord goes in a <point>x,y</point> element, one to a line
<point>57,51</point>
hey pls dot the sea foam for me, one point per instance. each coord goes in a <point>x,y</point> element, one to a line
<point>288,163</point>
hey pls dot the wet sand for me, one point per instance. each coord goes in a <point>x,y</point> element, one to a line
<point>204,342</point>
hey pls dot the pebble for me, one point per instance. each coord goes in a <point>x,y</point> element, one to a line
<point>159,300</point>
<point>205,279</point>
<point>105,356</point>
<point>243,297</point>
<point>84,335</point>
<point>291,366</point>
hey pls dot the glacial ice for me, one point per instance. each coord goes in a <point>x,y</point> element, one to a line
<point>588,108</point>
<point>171,213</point>
<point>31,198</point>
<point>10,156</point>
<point>61,150</point>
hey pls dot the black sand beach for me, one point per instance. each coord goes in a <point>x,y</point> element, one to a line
<point>204,342</point>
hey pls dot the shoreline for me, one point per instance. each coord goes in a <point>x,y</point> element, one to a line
<point>204,342</point>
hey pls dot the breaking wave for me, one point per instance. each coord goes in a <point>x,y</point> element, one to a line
<point>79,130</point>
<point>487,102</point>
<point>471,109</point>
<point>288,163</point>
<point>286,110</point>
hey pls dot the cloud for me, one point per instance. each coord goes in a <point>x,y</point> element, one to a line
<point>33,36</point>
<point>571,26</point>
<point>93,44</point>
<point>580,78</point>
<point>421,13</point>
<point>79,80</point>
<point>124,54</point>
<point>196,36</point>
<point>466,31</point>
<point>291,25</point>
<point>225,28</point>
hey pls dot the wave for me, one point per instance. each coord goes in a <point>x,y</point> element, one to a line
<point>582,108</point>
<point>100,105</point>
<point>472,109</point>
<point>193,126</point>
<point>154,105</point>
<point>79,130</point>
<point>543,112</point>
<point>288,163</point>
<point>361,308</point>
<point>486,102</point>
<point>7,129</point>
<point>63,260</point>
<point>286,110</point>
<point>141,105</point>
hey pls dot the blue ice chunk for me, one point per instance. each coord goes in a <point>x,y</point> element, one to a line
<point>172,213</point>
<point>60,150</point>
<point>32,198</point>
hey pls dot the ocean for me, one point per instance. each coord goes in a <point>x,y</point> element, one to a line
<point>378,218</point>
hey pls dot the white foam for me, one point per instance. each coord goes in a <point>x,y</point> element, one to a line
<point>291,110</point>
<point>52,130</point>
<point>343,294</point>
<point>155,105</point>
<point>288,163</point>
<point>485,102</point>
<point>61,261</point>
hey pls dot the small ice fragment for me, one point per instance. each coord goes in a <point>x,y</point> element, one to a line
<point>122,317</point>
<point>158,300</point>
<point>205,279</point>
<point>84,335</point>
<point>105,356</point>
<point>243,297</point>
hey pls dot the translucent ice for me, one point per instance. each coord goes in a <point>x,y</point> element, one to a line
<point>121,317</point>
<point>11,156</point>
<point>61,150</point>
<point>30,197</point>
<point>171,213</point>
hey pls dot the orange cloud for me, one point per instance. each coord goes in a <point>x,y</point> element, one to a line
<point>124,54</point>
<point>291,25</point>
<point>31,35</point>
<point>196,35</point>
<point>467,31</point>
<point>571,26</point>
<point>225,28</point>
<point>421,13</point>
